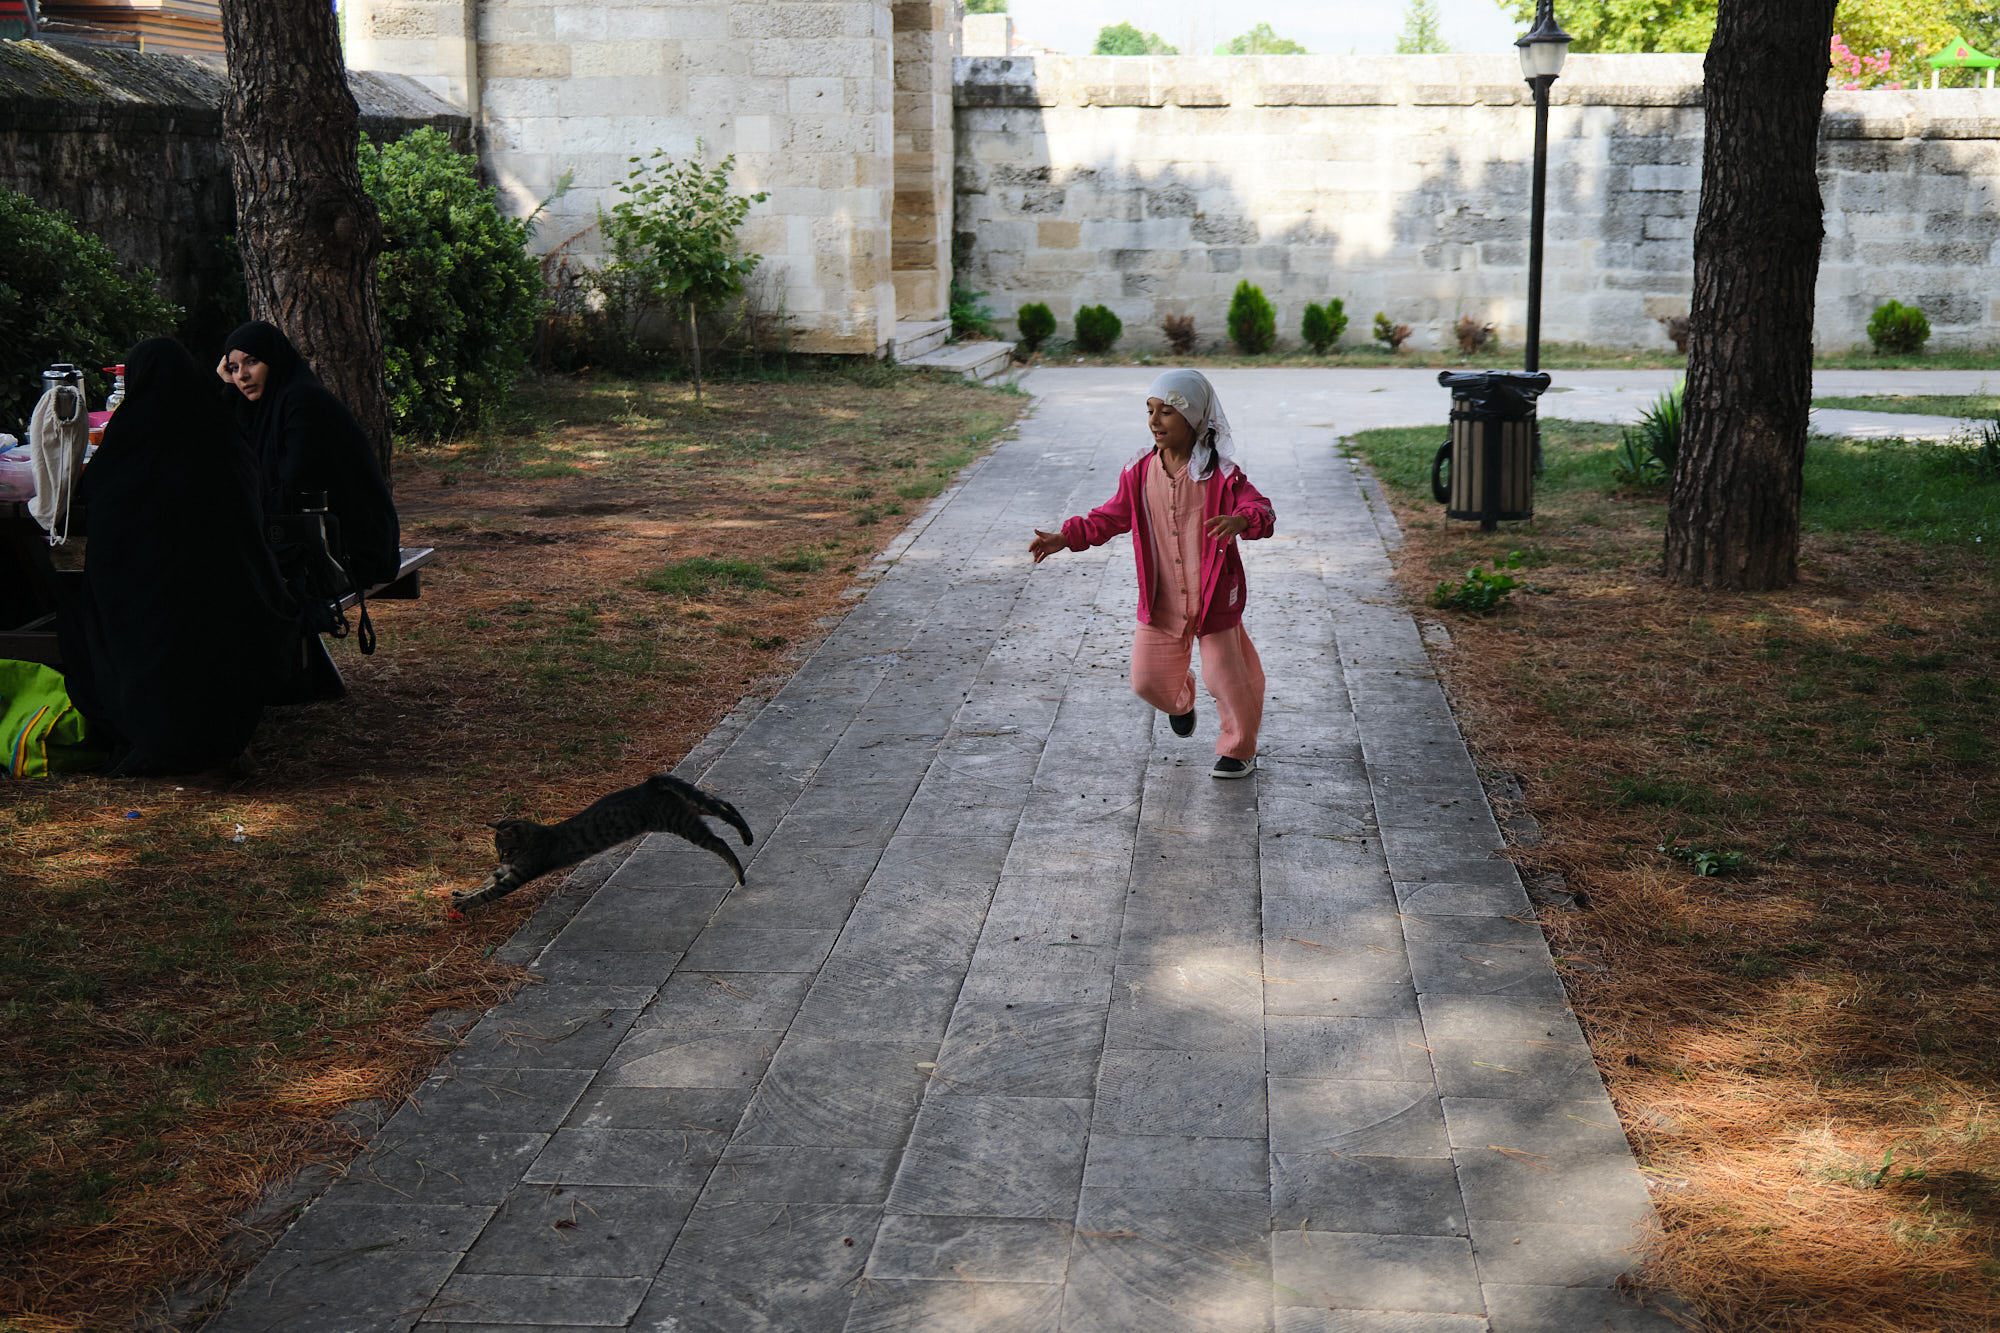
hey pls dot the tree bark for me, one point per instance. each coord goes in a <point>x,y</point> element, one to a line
<point>306,229</point>
<point>694,350</point>
<point>1733,521</point>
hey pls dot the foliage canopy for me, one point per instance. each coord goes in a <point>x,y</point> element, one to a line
<point>1909,30</point>
<point>62,298</point>
<point>1122,39</point>
<point>985,6</point>
<point>1423,30</point>
<point>458,290</point>
<point>1260,41</point>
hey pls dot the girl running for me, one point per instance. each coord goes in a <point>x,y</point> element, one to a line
<point>1185,502</point>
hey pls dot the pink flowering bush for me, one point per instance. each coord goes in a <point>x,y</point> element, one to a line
<point>1851,71</point>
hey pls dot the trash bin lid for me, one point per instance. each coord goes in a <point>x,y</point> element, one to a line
<point>1470,383</point>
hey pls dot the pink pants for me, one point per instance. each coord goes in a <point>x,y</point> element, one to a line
<point>1230,669</point>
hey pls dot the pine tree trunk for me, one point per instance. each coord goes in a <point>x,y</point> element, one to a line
<point>694,351</point>
<point>306,229</point>
<point>1733,521</point>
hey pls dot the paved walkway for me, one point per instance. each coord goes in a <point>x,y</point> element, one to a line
<point>1022,1022</point>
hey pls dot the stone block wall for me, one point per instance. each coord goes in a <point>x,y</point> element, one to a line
<point>130,145</point>
<point>802,92</point>
<point>1402,184</point>
<point>926,42</point>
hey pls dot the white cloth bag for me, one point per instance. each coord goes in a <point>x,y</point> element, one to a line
<point>58,435</point>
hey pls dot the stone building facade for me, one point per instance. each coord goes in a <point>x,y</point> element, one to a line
<point>1155,185</point>
<point>1401,184</point>
<point>840,109</point>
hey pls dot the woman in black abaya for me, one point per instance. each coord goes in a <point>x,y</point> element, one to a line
<point>182,626</point>
<point>306,444</point>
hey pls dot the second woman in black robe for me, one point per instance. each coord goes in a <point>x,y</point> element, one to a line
<point>308,444</point>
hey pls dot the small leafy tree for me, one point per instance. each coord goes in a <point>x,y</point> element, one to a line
<point>1036,322</point>
<point>62,298</point>
<point>458,290</point>
<point>1322,325</point>
<point>1898,329</point>
<point>1122,39</point>
<point>673,240</point>
<point>1098,328</point>
<point>985,6</point>
<point>1253,324</point>
<point>1260,41</point>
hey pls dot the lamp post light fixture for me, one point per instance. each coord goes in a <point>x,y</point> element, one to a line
<point>1542,50</point>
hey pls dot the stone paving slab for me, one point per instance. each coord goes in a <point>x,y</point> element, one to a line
<point>1021,1021</point>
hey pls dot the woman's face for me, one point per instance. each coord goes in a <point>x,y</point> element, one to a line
<point>1171,430</point>
<point>248,374</point>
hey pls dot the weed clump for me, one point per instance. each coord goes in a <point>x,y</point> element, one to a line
<point>1389,333</point>
<point>1648,451</point>
<point>1481,592</point>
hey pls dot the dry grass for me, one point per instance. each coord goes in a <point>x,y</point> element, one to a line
<point>181,1013</point>
<point>1803,1051</point>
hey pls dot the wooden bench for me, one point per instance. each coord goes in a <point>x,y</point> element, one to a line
<point>36,640</point>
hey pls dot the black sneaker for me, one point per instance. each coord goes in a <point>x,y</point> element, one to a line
<point>1225,767</point>
<point>1182,723</point>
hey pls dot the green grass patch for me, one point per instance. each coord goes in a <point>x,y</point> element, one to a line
<point>1916,490</point>
<point>1919,404</point>
<point>702,576</point>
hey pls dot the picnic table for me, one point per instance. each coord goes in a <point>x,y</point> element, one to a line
<point>31,588</point>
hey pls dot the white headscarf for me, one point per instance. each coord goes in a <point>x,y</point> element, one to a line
<point>1189,393</point>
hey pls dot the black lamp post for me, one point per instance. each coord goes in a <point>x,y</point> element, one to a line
<point>1542,50</point>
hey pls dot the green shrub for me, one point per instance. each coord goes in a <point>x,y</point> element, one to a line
<point>1097,328</point>
<point>1253,324</point>
<point>1322,325</point>
<point>970,313</point>
<point>1897,329</point>
<point>1036,322</point>
<point>1648,451</point>
<point>62,298</point>
<point>458,290</point>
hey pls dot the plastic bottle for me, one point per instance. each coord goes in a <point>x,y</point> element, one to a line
<point>117,374</point>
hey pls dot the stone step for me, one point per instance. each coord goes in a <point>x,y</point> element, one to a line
<point>979,362</point>
<point>920,337</point>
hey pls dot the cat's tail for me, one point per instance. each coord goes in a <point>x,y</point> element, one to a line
<point>708,803</point>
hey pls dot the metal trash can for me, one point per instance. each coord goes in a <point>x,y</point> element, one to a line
<point>1486,471</point>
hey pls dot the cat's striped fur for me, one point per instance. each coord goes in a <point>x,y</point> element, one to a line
<point>660,804</point>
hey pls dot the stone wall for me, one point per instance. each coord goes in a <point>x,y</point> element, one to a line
<point>1401,184</point>
<point>840,109</point>
<point>130,145</point>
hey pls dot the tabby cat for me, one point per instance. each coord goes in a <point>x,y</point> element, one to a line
<point>660,804</point>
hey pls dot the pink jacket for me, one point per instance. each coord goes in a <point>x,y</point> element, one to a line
<point>1227,491</point>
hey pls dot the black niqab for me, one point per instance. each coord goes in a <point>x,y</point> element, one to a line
<point>182,626</point>
<point>307,443</point>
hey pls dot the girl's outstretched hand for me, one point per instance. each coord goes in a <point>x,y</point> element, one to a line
<point>1047,544</point>
<point>1224,526</point>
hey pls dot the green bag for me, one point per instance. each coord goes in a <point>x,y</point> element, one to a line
<point>43,731</point>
